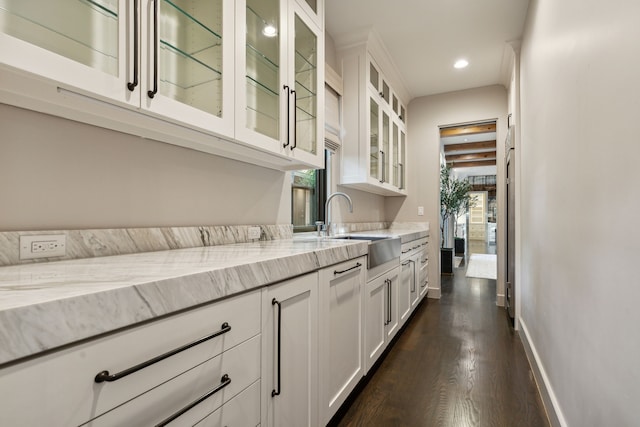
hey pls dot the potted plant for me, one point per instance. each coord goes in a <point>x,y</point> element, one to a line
<point>454,197</point>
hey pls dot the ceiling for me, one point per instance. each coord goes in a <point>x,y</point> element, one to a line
<point>469,146</point>
<point>426,37</point>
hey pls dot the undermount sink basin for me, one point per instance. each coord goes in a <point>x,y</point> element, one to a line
<point>381,249</point>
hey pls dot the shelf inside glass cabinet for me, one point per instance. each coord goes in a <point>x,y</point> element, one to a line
<point>92,40</point>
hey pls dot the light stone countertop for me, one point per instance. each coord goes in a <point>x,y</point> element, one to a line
<point>47,305</point>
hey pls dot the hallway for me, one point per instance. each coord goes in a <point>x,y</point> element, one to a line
<point>457,364</point>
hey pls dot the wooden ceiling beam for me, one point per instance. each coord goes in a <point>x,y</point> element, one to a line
<point>470,146</point>
<point>471,164</point>
<point>471,156</point>
<point>468,130</point>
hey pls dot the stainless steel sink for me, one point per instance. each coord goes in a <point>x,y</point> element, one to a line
<point>381,249</point>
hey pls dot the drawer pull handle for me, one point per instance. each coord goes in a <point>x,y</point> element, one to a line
<point>408,250</point>
<point>286,88</point>
<point>105,376</point>
<point>358,265</point>
<point>424,261</point>
<point>415,247</point>
<point>425,284</point>
<point>274,301</point>
<point>132,85</point>
<point>224,381</point>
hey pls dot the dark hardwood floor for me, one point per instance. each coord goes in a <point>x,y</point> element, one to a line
<point>458,363</point>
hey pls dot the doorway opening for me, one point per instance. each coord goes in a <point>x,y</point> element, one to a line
<point>470,151</point>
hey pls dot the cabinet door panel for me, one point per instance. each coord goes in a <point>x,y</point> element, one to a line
<point>92,56</point>
<point>242,410</point>
<point>376,318</point>
<point>405,286</point>
<point>394,303</point>
<point>341,333</point>
<point>290,394</point>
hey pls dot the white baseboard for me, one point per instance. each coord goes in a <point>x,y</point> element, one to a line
<point>434,293</point>
<point>500,300</point>
<point>551,405</point>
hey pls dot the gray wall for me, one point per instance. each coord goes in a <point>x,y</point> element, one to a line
<point>426,114</point>
<point>60,174</point>
<point>580,92</point>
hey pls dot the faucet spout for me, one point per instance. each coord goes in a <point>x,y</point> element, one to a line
<point>327,209</point>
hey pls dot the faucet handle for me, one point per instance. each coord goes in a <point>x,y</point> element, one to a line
<point>319,226</point>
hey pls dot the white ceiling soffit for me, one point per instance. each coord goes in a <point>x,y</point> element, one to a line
<point>426,37</point>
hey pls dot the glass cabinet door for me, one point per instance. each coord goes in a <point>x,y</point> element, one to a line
<point>395,161</point>
<point>78,43</point>
<point>188,62</point>
<point>374,77</point>
<point>385,147</point>
<point>262,73</point>
<point>306,87</point>
<point>374,139</point>
<point>403,155</point>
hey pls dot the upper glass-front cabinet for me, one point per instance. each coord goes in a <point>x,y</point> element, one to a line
<point>280,86</point>
<point>81,44</point>
<point>173,58</point>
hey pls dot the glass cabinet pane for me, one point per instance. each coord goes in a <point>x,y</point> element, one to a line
<point>385,147</point>
<point>85,31</point>
<point>374,149</point>
<point>306,65</point>
<point>385,91</point>
<point>394,172</point>
<point>313,4</point>
<point>402,114</point>
<point>403,155</point>
<point>395,104</point>
<point>374,77</point>
<point>263,67</point>
<point>191,53</point>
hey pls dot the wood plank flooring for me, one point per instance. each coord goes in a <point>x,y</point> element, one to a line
<point>457,364</point>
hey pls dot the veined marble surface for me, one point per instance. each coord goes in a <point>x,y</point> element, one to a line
<point>120,241</point>
<point>406,231</point>
<point>47,305</point>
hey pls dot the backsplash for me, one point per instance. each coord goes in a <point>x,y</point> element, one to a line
<point>120,241</point>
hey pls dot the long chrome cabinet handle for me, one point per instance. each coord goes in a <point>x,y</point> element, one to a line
<point>132,85</point>
<point>105,376</point>
<point>224,381</point>
<point>358,265</point>
<point>153,92</point>
<point>276,392</point>
<point>288,91</point>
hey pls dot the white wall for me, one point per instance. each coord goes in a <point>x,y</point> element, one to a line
<point>59,174</point>
<point>580,104</point>
<point>426,114</point>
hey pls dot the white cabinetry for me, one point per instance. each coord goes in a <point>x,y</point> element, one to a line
<point>280,79</point>
<point>374,147</point>
<point>407,291</point>
<point>341,333</point>
<point>177,71</point>
<point>381,314</point>
<point>290,353</point>
<point>85,382</point>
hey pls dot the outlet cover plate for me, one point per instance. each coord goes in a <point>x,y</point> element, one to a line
<point>420,210</point>
<point>254,232</point>
<point>43,246</point>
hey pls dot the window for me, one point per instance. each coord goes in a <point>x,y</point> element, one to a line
<point>309,189</point>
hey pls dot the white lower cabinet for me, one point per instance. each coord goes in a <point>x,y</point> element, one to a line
<point>341,333</point>
<point>60,388</point>
<point>242,410</point>
<point>381,315</point>
<point>290,353</point>
<point>406,289</point>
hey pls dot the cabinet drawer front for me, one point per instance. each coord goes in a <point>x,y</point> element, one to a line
<point>38,382</point>
<point>242,410</point>
<point>410,248</point>
<point>242,366</point>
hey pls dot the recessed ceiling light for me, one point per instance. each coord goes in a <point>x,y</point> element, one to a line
<point>461,63</point>
<point>270,31</point>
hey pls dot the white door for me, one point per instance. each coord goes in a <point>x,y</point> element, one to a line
<point>341,333</point>
<point>84,47</point>
<point>188,63</point>
<point>376,319</point>
<point>405,287</point>
<point>393,301</point>
<point>290,352</point>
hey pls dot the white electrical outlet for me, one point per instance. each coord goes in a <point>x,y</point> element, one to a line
<point>254,232</point>
<point>420,210</point>
<point>43,246</point>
